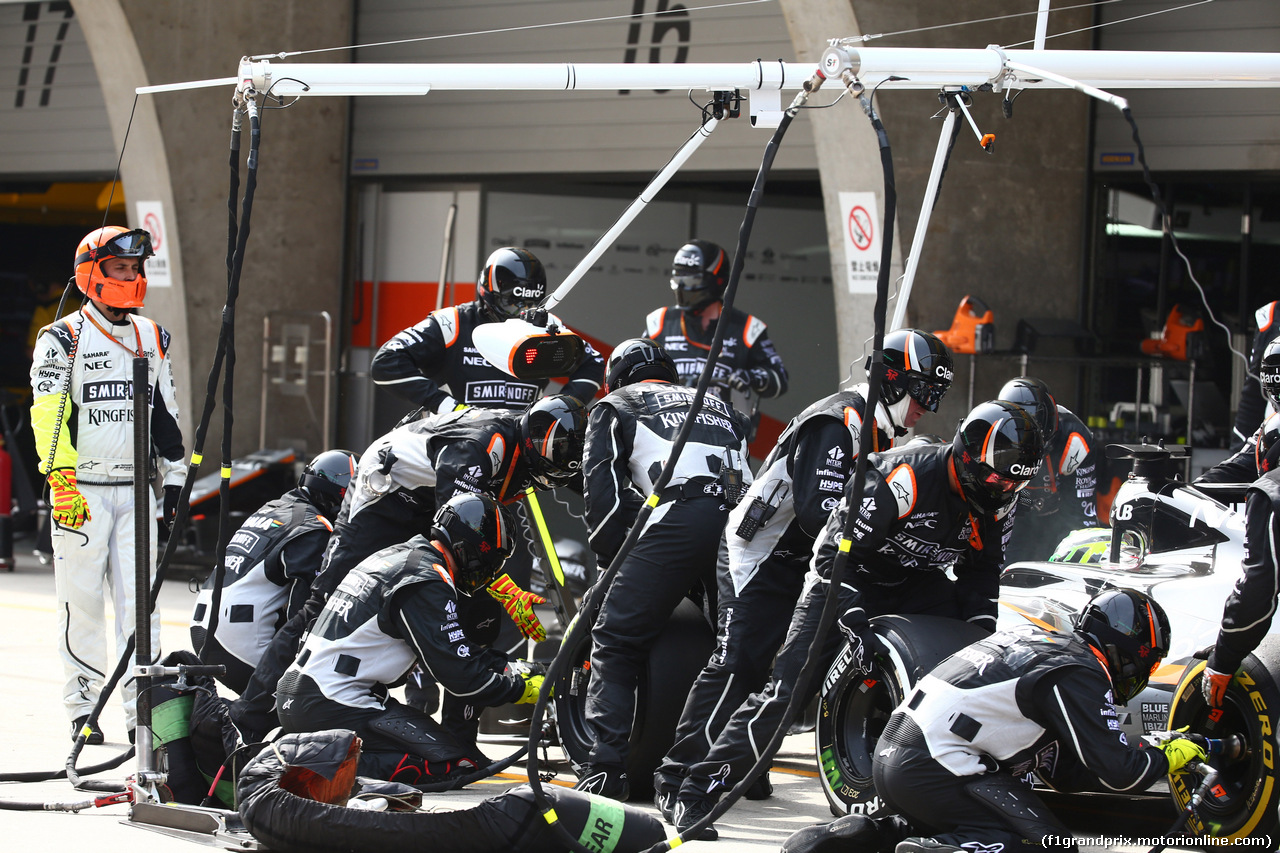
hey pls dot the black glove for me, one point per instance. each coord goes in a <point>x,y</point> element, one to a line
<point>863,643</point>
<point>171,495</point>
<point>738,380</point>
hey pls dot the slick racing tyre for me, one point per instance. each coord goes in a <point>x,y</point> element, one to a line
<point>1243,802</point>
<point>853,710</point>
<point>674,662</point>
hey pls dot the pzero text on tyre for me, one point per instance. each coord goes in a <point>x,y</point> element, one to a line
<point>1243,803</point>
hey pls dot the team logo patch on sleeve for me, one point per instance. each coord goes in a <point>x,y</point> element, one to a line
<point>902,482</point>
<point>1074,453</point>
<point>752,331</point>
<point>653,323</point>
<point>497,450</point>
<point>447,320</point>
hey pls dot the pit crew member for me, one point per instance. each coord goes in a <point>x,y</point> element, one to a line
<point>1249,610</point>
<point>629,439</point>
<point>436,365</point>
<point>82,417</point>
<point>1064,495</point>
<point>397,608</point>
<point>748,368</point>
<point>268,568</point>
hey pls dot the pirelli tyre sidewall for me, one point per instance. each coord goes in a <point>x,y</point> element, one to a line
<point>1243,803</point>
<point>853,710</point>
<point>674,663</point>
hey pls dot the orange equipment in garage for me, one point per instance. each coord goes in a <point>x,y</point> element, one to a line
<point>973,330</point>
<point>1182,337</point>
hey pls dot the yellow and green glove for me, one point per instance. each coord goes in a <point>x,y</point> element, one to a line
<point>1182,751</point>
<point>70,509</point>
<point>519,605</point>
<point>532,686</point>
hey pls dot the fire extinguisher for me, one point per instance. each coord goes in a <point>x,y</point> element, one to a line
<point>6,509</point>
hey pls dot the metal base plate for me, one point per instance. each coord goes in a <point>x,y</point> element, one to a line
<point>210,827</point>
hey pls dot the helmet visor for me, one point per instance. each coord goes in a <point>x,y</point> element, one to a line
<point>997,484</point>
<point>131,244</point>
<point>510,304</point>
<point>1270,376</point>
<point>925,392</point>
<point>684,278</point>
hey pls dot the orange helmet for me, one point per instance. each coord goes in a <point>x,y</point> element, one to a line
<point>113,242</point>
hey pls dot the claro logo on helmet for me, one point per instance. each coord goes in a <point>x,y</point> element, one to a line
<point>1269,377</point>
<point>943,372</point>
<point>535,292</point>
<point>1017,469</point>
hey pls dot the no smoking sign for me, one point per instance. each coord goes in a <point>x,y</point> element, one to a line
<point>861,240</point>
<point>860,228</point>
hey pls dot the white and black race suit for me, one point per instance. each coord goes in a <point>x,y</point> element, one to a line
<point>629,438</point>
<point>911,527</point>
<point>95,437</point>
<point>269,564</point>
<point>958,755</point>
<point>421,362</point>
<point>396,609</point>
<point>760,571</point>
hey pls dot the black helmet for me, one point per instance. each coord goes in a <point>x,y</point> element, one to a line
<point>511,281</point>
<point>997,450</point>
<point>552,431</point>
<point>1269,372</point>
<point>325,479</point>
<point>635,360</point>
<point>1267,451</point>
<point>699,274</point>
<point>1132,632</point>
<point>478,532</point>
<point>917,366</point>
<point>1033,397</point>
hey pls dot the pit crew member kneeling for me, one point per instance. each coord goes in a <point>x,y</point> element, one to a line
<point>954,759</point>
<point>398,608</point>
<point>268,568</point>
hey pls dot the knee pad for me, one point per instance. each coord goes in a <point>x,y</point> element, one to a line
<point>417,770</point>
<point>848,834</point>
<point>1018,804</point>
<point>417,733</point>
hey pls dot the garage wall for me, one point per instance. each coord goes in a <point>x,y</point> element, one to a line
<point>53,121</point>
<point>1220,130</point>
<point>488,133</point>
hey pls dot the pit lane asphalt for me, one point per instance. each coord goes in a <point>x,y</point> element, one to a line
<point>35,737</point>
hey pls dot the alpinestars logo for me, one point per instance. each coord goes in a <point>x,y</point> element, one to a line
<point>834,455</point>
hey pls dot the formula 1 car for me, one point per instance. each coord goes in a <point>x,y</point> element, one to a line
<point>1182,545</point>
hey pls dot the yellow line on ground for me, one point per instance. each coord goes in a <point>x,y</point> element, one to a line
<point>792,772</point>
